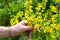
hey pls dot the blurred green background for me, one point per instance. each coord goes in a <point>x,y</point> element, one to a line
<point>9,8</point>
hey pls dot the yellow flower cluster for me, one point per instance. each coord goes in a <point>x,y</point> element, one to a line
<point>14,21</point>
<point>53,9</point>
<point>39,6</point>
<point>57,1</point>
<point>44,19</point>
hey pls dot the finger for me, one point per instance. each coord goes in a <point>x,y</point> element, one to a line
<point>24,22</point>
<point>27,28</point>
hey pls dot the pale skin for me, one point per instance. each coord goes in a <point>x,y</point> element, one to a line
<point>15,30</point>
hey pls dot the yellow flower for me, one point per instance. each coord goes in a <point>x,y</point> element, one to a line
<point>53,18</point>
<point>34,30</point>
<point>53,9</point>
<point>26,13</point>
<point>39,6</point>
<point>31,10</point>
<point>30,1</point>
<point>29,18</point>
<point>50,30</point>
<point>36,26</point>
<point>20,13</point>
<point>57,1</point>
<point>11,22</point>
<point>53,25</point>
<point>58,28</point>
<point>45,30</point>
<point>14,20</point>
<point>30,6</point>
<point>17,21</point>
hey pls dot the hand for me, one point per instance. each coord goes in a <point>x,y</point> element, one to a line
<point>23,25</point>
<point>20,28</point>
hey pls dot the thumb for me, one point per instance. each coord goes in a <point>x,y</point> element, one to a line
<point>24,22</point>
<point>27,28</point>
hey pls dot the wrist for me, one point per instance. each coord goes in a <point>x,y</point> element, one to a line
<point>4,32</point>
<point>12,31</point>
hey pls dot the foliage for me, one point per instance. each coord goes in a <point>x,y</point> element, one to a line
<point>44,14</point>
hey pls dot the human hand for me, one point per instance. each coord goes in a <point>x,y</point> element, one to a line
<point>23,25</point>
<point>20,28</point>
